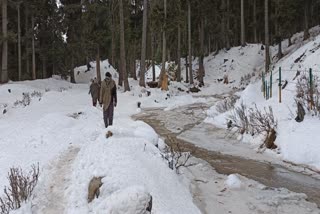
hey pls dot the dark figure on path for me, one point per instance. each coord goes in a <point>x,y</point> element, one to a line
<point>108,97</point>
<point>88,67</point>
<point>94,91</point>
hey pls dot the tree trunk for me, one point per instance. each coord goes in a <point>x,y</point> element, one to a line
<point>122,49</point>
<point>133,57</point>
<point>276,17</point>
<point>19,44</point>
<point>277,30</point>
<point>152,46</point>
<point>44,67</point>
<point>201,67</point>
<point>98,64</point>
<point>34,76</point>
<point>113,41</point>
<point>72,79</point>
<point>53,68</point>
<point>228,26</point>
<point>189,42</point>
<point>134,61</point>
<point>306,34</point>
<point>289,41</point>
<point>27,39</point>
<point>117,61</point>
<point>179,55</point>
<point>209,45</point>
<point>266,19</point>
<point>131,64</point>
<point>187,70</point>
<point>4,64</point>
<point>243,41</point>
<point>223,23</point>
<point>152,57</point>
<point>120,80</point>
<point>142,81</point>
<point>163,69</point>
<point>128,54</point>
<point>255,36</point>
<point>279,47</point>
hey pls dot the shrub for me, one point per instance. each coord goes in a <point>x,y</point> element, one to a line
<point>20,188</point>
<point>246,79</point>
<point>61,89</point>
<point>254,121</point>
<point>239,118</point>
<point>226,104</point>
<point>308,95</point>
<point>36,94</point>
<point>176,157</point>
<point>26,100</point>
<point>264,123</point>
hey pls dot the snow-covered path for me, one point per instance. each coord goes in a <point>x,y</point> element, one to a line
<point>60,175</point>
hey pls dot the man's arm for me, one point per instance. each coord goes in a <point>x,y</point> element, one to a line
<point>101,94</point>
<point>114,94</point>
<point>90,89</point>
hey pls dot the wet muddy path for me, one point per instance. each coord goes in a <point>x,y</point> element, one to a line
<point>170,124</point>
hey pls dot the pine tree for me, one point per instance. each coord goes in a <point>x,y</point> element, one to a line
<point>243,41</point>
<point>164,45</point>
<point>143,45</point>
<point>267,54</point>
<point>34,75</point>
<point>4,68</point>
<point>189,42</point>
<point>122,49</point>
<point>306,34</point>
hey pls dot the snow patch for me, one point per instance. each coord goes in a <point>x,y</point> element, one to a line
<point>233,182</point>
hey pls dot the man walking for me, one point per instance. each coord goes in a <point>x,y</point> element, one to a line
<point>108,98</point>
<point>94,91</point>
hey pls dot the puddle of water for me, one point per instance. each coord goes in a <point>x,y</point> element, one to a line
<point>272,175</point>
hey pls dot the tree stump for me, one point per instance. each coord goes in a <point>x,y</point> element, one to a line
<point>94,188</point>
<point>271,138</point>
<point>300,113</point>
<point>164,85</point>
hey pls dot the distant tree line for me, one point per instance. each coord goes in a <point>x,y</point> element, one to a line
<point>44,37</point>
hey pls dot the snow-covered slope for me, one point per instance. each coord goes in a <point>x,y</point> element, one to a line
<point>297,142</point>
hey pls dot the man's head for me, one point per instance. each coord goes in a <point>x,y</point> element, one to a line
<point>108,75</point>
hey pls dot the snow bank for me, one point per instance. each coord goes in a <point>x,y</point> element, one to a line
<point>134,198</point>
<point>297,142</point>
<point>149,73</point>
<point>33,133</point>
<point>81,74</point>
<point>127,160</point>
